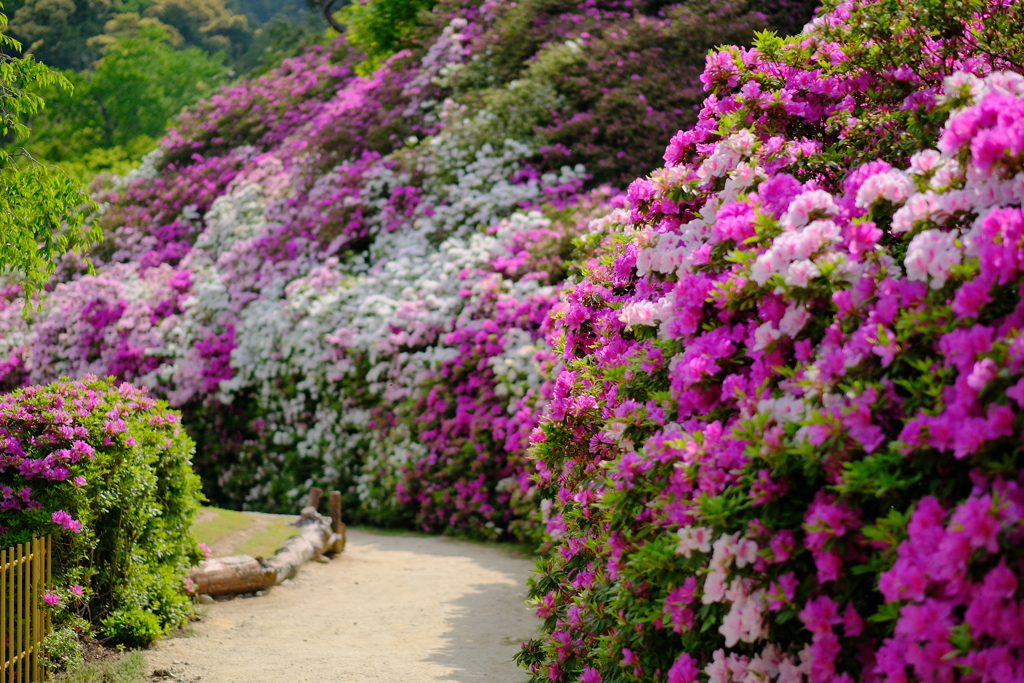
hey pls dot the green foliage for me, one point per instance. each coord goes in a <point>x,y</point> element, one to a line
<point>57,32</point>
<point>62,649</point>
<point>889,35</point>
<point>131,668</point>
<point>281,37</point>
<point>71,35</point>
<point>130,66</point>
<point>135,505</point>
<point>41,218</point>
<point>629,84</point>
<point>41,208</point>
<point>119,109</point>
<point>132,627</point>
<point>207,24</point>
<point>141,82</point>
<point>381,28</point>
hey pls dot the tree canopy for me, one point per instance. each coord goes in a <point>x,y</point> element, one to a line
<point>135,64</point>
<point>42,210</point>
<point>118,109</point>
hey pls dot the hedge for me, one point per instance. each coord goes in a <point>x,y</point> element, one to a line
<point>106,470</point>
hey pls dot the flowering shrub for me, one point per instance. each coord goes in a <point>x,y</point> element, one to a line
<point>785,442</point>
<point>343,276</point>
<point>623,76</point>
<point>782,393</point>
<point>107,472</point>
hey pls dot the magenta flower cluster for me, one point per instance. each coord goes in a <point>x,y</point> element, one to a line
<point>785,444</point>
<point>48,440</point>
<point>63,519</point>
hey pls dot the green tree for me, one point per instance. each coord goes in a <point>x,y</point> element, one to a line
<point>208,24</point>
<point>382,27</point>
<point>141,82</point>
<point>42,210</point>
<point>130,25</point>
<point>57,31</point>
<point>119,109</point>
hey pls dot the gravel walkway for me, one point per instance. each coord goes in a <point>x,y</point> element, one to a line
<point>391,608</point>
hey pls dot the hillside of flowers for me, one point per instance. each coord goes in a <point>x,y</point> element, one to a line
<point>346,280</point>
<point>762,406</point>
<point>785,444</point>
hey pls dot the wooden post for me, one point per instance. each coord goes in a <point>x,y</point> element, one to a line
<point>335,504</point>
<point>49,577</point>
<point>337,542</point>
<point>315,494</point>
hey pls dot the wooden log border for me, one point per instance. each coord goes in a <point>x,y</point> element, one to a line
<point>318,535</point>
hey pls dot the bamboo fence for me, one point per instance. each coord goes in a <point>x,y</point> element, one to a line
<point>25,572</point>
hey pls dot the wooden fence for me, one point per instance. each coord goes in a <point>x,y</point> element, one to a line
<point>25,573</point>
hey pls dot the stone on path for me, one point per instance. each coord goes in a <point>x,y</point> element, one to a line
<point>391,608</point>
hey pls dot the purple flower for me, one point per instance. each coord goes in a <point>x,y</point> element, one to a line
<point>683,670</point>
<point>65,520</point>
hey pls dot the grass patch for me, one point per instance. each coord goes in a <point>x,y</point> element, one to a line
<point>258,535</point>
<point>219,523</point>
<point>266,542</point>
<point>131,667</point>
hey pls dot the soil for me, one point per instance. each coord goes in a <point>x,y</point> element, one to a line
<point>390,609</point>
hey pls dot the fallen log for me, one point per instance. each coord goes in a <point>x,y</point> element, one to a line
<point>231,576</point>
<point>318,535</point>
<point>313,540</point>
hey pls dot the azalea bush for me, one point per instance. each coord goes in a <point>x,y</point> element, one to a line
<point>343,274</point>
<point>106,472</point>
<point>761,409</point>
<point>785,443</point>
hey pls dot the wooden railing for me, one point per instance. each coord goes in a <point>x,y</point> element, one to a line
<point>25,573</point>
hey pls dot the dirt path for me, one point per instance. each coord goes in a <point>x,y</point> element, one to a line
<point>394,609</point>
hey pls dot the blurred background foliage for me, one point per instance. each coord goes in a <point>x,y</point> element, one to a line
<point>382,27</point>
<point>135,64</point>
